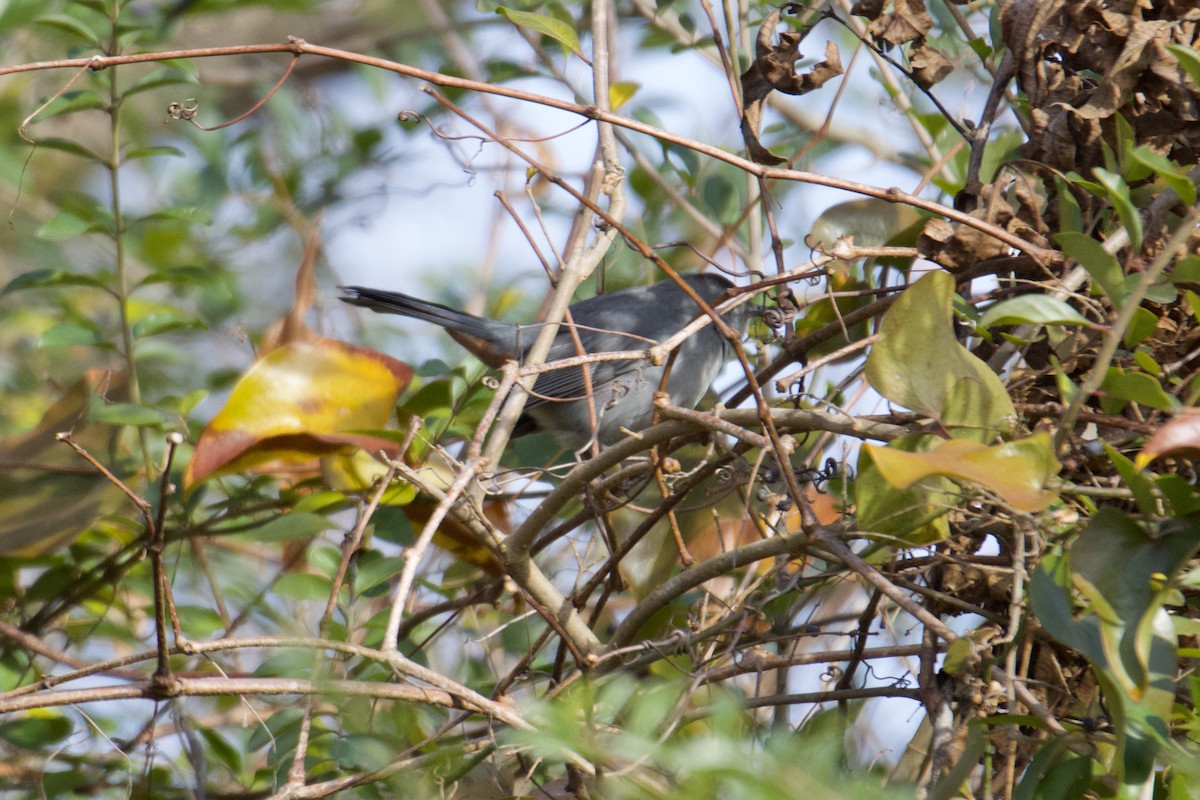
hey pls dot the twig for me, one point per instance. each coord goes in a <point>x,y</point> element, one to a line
<point>296,45</point>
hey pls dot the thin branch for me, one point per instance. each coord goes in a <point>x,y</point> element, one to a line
<point>297,45</point>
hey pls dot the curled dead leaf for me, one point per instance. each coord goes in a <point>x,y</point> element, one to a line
<point>774,69</point>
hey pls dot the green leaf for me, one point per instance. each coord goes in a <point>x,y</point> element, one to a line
<point>1147,363</point>
<point>918,363</point>
<point>1162,292</point>
<point>1189,60</point>
<point>1050,596</point>
<point>1099,263</point>
<point>1186,270</point>
<point>556,29</point>
<point>870,221</point>
<point>1141,327</point>
<point>70,102</point>
<point>64,225</point>
<point>1069,214</point>
<point>1172,174</point>
<point>1139,483</point>
<point>1031,309</point>
<point>291,526</point>
<point>167,76</point>
<point>376,571</point>
<point>17,13</point>
<point>72,26</point>
<point>126,414</point>
<point>362,752</point>
<point>199,622</point>
<point>166,322</point>
<point>152,152</point>
<point>188,214</point>
<point>220,750</point>
<point>1135,387</point>
<point>304,586</point>
<point>42,278</point>
<point>67,333</point>
<point>1181,497</point>
<point>1066,781</point>
<point>1117,192</point>
<point>68,146</point>
<point>37,729</point>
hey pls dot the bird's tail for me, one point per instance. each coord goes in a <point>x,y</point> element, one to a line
<point>408,306</point>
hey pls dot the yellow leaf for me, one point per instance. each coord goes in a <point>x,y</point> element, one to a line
<point>301,401</point>
<point>1016,471</point>
<point>620,93</point>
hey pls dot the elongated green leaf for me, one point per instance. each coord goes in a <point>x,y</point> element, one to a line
<point>1189,59</point>
<point>126,414</point>
<point>72,26</point>
<point>156,324</point>
<point>71,102</point>
<point>1172,174</point>
<point>189,214</point>
<point>556,29</point>
<point>291,526</point>
<point>1050,596</point>
<point>1098,263</point>
<point>36,729</point>
<point>1032,309</point>
<point>1118,194</point>
<point>64,225</point>
<point>51,277</point>
<point>871,222</point>
<point>16,13</point>
<point>67,333</point>
<point>68,146</point>
<point>152,152</point>
<point>167,76</point>
<point>1141,327</point>
<point>304,586</point>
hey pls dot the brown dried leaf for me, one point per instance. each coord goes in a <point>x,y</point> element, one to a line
<point>906,22</point>
<point>871,9</point>
<point>928,65</point>
<point>1061,46</point>
<point>291,326</point>
<point>774,69</point>
<point>956,247</point>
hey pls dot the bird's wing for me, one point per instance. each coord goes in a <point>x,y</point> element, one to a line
<point>568,383</point>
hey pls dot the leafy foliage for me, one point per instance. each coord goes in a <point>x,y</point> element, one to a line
<point>953,481</point>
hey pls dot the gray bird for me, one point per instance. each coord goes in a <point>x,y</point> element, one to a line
<point>630,319</point>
